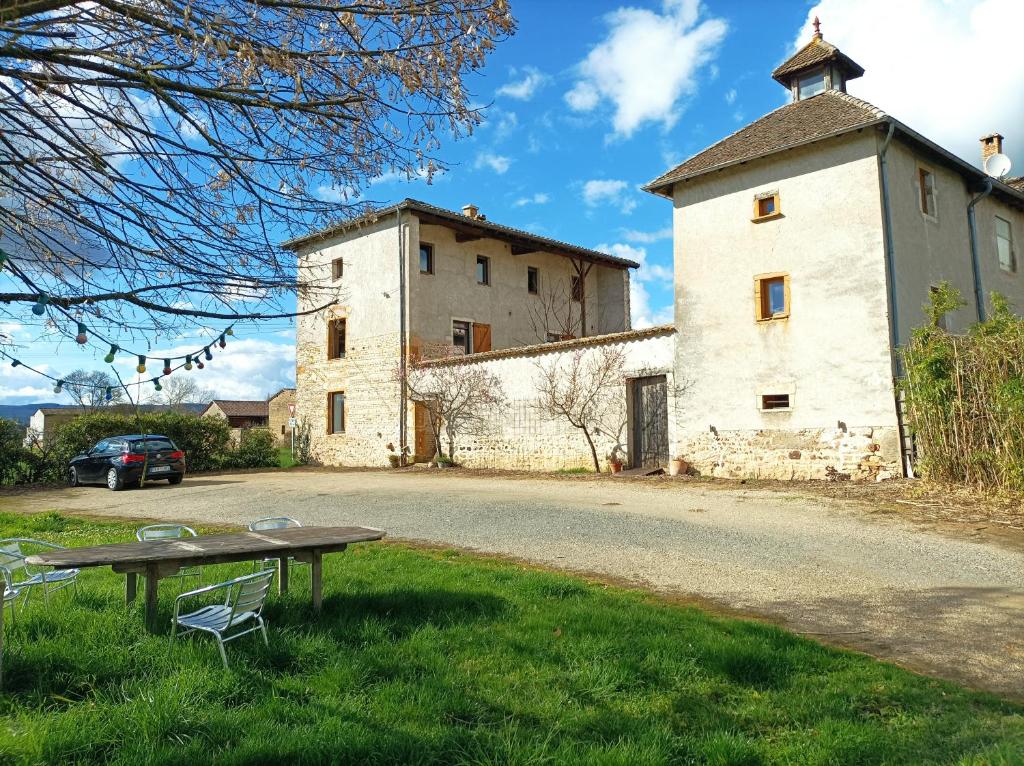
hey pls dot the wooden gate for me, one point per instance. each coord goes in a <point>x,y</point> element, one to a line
<point>424,448</point>
<point>649,422</point>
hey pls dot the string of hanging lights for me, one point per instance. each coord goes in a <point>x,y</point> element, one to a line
<point>43,301</point>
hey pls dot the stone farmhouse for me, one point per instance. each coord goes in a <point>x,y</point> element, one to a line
<point>271,413</point>
<point>805,246</point>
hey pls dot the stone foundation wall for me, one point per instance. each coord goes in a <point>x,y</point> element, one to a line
<point>861,453</point>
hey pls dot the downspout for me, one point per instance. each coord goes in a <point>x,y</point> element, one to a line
<point>972,225</point>
<point>402,344</point>
<point>890,268</point>
<point>890,251</point>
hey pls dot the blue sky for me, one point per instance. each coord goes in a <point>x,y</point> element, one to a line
<point>589,100</point>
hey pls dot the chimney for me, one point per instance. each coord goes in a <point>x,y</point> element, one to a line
<point>991,144</point>
<point>471,211</point>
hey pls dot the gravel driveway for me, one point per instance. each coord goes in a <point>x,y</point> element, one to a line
<point>938,604</point>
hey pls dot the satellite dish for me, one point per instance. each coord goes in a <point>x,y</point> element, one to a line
<point>998,165</point>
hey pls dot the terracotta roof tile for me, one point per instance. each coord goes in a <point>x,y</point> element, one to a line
<point>815,53</point>
<point>1015,183</point>
<point>800,122</point>
<point>237,408</point>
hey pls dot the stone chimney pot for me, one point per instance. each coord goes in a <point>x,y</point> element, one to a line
<point>991,144</point>
<point>471,211</point>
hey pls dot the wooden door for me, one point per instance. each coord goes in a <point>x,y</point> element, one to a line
<point>425,447</point>
<point>481,337</point>
<point>650,422</point>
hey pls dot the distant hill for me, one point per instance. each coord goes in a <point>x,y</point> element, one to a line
<point>22,412</point>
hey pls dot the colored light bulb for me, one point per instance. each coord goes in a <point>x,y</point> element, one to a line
<point>229,331</point>
<point>57,388</point>
<point>208,354</point>
<point>40,306</point>
<point>222,343</point>
<point>199,364</point>
<point>188,362</point>
<point>156,384</point>
<point>15,362</point>
<point>109,395</point>
<point>82,336</point>
<point>141,368</point>
<point>167,366</point>
<point>109,358</point>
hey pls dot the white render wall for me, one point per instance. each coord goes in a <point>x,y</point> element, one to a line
<point>831,355</point>
<point>520,436</point>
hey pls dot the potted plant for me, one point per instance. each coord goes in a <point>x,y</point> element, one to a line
<point>678,465</point>
<point>615,459</point>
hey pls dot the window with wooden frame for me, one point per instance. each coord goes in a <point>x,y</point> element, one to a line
<point>1004,245</point>
<point>337,268</point>
<point>532,280</point>
<point>336,339</point>
<point>576,288</point>
<point>771,296</point>
<point>926,190</point>
<point>766,207</point>
<point>336,412</point>
<point>483,270</point>
<point>426,258</point>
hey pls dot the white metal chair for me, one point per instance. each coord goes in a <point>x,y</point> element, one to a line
<point>10,592</point>
<point>12,560</point>
<point>243,603</point>
<point>171,532</point>
<point>275,522</point>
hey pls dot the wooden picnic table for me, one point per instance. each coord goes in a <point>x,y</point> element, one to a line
<point>161,558</point>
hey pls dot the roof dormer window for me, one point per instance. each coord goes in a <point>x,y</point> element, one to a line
<point>810,84</point>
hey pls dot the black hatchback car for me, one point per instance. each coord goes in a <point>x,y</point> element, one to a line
<point>120,460</point>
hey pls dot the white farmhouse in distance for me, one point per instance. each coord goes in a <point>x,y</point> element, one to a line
<point>805,245</point>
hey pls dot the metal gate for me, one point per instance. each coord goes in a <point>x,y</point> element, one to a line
<point>650,422</point>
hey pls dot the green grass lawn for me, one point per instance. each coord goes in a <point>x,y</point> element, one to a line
<point>438,657</point>
<point>284,457</point>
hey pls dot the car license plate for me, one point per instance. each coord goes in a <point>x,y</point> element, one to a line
<point>160,469</point>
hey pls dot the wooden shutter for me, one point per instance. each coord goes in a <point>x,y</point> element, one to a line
<point>481,338</point>
<point>758,305</point>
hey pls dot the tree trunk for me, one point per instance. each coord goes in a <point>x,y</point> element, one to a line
<point>593,450</point>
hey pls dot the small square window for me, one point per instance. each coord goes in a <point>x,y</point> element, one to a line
<point>775,401</point>
<point>926,187</point>
<point>1004,245</point>
<point>812,84</point>
<point>483,270</point>
<point>336,412</point>
<point>426,258</point>
<point>337,268</point>
<point>766,207</point>
<point>336,339</point>
<point>532,280</point>
<point>771,297</point>
<point>576,287</point>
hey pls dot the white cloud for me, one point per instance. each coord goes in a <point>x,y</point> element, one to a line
<point>947,69</point>
<point>642,312</point>
<point>495,162</point>
<point>540,198</point>
<point>647,64</point>
<point>525,88</point>
<point>335,194</point>
<point>730,96</point>
<point>597,192</point>
<point>394,176</point>
<point>647,237</point>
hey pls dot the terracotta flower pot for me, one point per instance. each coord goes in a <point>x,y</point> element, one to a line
<point>614,467</point>
<point>677,466</point>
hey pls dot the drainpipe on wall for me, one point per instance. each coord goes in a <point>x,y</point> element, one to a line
<point>402,342</point>
<point>972,226</point>
<point>894,316</point>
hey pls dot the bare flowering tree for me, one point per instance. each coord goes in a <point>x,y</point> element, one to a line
<point>460,399</point>
<point>587,389</point>
<point>153,156</point>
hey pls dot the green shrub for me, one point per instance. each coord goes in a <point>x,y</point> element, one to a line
<point>18,464</point>
<point>965,396</point>
<point>256,449</point>
<point>204,440</point>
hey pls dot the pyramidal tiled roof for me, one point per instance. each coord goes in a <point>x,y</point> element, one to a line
<point>816,53</point>
<point>800,122</point>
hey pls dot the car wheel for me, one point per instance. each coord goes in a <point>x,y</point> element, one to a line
<point>73,480</point>
<point>114,480</point>
<point>175,479</point>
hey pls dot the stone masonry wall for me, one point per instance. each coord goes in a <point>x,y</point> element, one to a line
<point>861,453</point>
<point>277,421</point>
